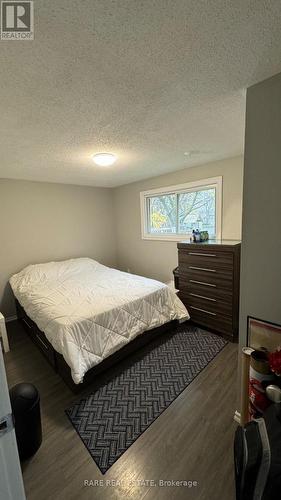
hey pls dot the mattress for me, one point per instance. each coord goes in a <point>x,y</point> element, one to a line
<point>88,311</point>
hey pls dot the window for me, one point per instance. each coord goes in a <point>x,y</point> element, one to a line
<point>172,213</point>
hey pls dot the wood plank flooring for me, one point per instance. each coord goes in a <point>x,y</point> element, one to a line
<point>191,441</point>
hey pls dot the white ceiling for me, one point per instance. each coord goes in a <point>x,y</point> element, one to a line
<point>145,79</point>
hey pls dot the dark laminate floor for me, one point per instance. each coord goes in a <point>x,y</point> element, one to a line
<point>191,440</point>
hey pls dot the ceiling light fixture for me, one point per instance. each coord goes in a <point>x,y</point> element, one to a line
<point>104,159</point>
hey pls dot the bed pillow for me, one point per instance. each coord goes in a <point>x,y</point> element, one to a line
<point>50,271</point>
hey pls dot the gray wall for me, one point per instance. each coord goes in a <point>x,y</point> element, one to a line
<point>40,222</point>
<point>156,259</point>
<point>261,234</point>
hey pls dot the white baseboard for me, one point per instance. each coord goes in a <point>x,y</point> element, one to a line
<point>237,417</point>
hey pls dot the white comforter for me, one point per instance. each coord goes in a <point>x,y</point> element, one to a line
<point>88,311</point>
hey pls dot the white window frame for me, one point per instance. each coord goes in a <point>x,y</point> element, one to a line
<point>212,182</point>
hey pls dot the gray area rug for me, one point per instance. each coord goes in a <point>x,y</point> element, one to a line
<point>112,417</point>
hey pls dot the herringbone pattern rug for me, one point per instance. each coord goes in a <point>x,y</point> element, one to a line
<point>110,419</point>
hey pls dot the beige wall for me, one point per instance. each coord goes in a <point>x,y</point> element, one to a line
<point>156,259</point>
<point>260,292</point>
<point>41,221</point>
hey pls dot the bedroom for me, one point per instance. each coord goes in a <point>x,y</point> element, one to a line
<point>185,97</point>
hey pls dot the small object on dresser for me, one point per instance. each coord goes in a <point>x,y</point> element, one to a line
<point>197,236</point>
<point>204,235</point>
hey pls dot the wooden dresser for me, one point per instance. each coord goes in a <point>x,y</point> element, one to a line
<point>208,282</point>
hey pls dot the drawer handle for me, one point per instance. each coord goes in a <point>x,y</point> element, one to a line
<point>202,297</point>
<point>42,342</point>
<point>202,283</point>
<point>202,269</point>
<point>203,310</point>
<point>27,324</point>
<point>203,254</point>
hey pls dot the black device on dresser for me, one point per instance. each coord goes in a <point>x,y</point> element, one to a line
<point>207,278</point>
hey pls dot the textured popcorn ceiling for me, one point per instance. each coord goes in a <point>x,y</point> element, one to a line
<point>145,79</point>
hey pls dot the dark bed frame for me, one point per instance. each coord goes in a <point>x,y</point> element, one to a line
<point>61,367</point>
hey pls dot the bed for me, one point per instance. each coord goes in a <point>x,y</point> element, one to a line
<point>85,313</point>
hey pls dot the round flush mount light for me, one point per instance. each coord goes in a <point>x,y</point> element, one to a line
<point>104,159</point>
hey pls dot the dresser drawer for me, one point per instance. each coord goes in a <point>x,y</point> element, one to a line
<point>39,339</point>
<point>213,279</point>
<point>216,322</point>
<point>209,268</point>
<point>206,259</point>
<point>186,287</point>
<point>206,303</point>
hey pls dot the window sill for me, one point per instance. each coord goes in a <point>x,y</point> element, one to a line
<point>176,237</point>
